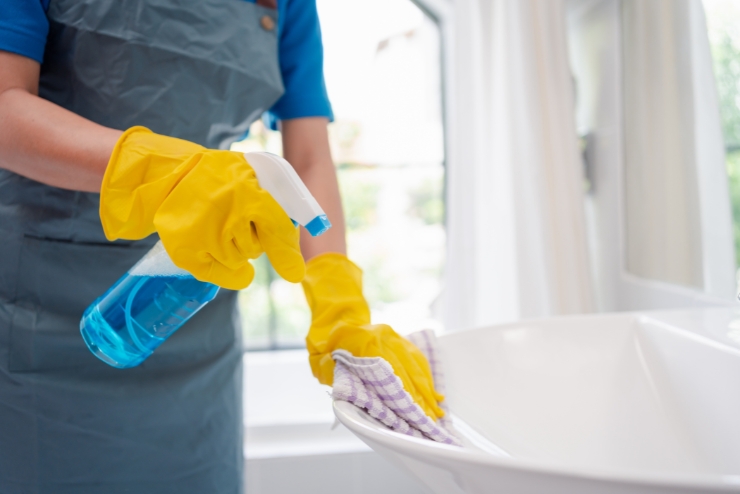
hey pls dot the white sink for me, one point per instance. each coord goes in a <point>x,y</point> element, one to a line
<point>618,403</point>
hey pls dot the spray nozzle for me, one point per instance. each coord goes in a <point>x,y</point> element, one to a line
<point>278,177</point>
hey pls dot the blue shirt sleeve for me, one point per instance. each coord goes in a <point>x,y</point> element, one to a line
<point>23,27</point>
<point>301,63</point>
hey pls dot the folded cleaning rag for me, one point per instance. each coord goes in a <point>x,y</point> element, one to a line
<point>370,383</point>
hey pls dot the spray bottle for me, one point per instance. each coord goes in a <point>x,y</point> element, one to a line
<point>155,297</point>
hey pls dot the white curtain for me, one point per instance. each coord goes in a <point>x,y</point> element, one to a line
<point>517,237</point>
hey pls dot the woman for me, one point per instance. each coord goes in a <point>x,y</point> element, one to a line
<point>114,120</point>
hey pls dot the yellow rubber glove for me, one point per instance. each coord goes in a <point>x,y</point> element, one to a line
<point>206,205</point>
<point>340,319</point>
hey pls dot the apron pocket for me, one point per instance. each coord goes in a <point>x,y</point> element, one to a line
<point>57,281</point>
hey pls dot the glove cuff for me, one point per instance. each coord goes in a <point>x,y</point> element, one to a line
<point>142,170</point>
<point>333,280</point>
<point>333,288</point>
<point>319,266</point>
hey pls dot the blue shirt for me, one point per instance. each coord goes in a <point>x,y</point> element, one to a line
<point>24,27</point>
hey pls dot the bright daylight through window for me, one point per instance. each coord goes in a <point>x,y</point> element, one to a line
<point>723,24</point>
<point>383,69</point>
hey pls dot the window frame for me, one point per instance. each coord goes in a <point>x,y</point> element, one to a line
<point>618,289</point>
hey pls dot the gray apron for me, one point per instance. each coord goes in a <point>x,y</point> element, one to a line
<point>195,69</point>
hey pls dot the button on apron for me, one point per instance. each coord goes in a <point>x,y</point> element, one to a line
<point>267,23</point>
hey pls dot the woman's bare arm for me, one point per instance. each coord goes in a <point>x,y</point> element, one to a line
<point>43,141</point>
<point>306,147</point>
<point>49,144</point>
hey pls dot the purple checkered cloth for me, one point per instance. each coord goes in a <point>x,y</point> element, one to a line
<point>369,383</point>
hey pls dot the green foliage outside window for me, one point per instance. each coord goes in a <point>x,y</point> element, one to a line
<point>359,188</point>
<point>733,175</point>
<point>726,55</point>
<point>427,202</point>
<point>723,23</point>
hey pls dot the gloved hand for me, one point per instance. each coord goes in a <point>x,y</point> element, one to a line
<point>206,205</point>
<point>340,319</point>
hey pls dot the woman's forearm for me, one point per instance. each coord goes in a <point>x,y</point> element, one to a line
<point>306,147</point>
<point>43,141</point>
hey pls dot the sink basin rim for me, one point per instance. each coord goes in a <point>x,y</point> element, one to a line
<point>421,449</point>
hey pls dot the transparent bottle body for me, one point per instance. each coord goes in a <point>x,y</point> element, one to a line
<point>142,309</point>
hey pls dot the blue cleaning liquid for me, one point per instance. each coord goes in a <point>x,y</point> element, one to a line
<point>124,326</point>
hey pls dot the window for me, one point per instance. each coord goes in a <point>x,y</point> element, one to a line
<point>723,24</point>
<point>383,70</point>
